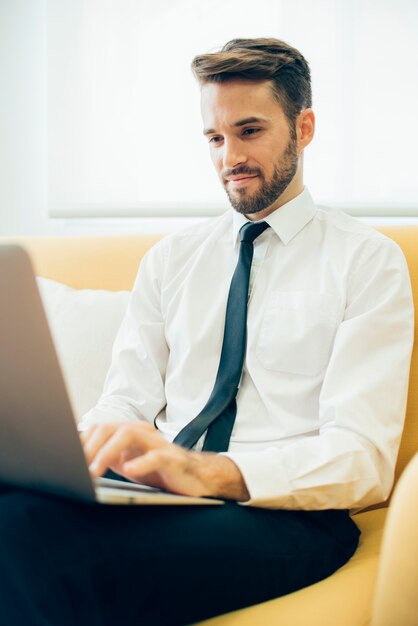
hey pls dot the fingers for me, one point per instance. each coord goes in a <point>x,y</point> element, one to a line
<point>111,445</point>
<point>170,467</point>
<point>146,463</point>
<point>94,438</point>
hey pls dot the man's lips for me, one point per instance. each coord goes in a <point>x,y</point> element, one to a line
<point>237,181</point>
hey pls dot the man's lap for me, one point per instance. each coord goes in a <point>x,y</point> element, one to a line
<point>158,565</point>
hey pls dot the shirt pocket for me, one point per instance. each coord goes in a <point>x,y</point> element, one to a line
<point>297,331</point>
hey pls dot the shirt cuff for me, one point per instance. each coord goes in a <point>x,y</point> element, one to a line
<point>264,476</point>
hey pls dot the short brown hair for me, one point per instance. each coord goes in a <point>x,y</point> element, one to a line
<point>261,59</point>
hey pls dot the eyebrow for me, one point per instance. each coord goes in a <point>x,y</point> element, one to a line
<point>247,120</point>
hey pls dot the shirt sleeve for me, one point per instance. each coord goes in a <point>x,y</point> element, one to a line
<point>350,462</point>
<point>134,385</point>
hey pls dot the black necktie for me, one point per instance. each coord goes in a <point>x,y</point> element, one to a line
<point>218,415</point>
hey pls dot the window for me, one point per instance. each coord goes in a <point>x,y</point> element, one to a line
<point>124,128</point>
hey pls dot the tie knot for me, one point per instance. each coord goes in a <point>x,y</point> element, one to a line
<point>251,231</point>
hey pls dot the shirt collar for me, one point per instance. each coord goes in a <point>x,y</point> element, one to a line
<point>286,221</point>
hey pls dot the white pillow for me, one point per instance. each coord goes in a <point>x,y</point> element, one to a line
<point>84,323</point>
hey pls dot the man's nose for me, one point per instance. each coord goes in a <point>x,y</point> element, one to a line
<point>233,154</point>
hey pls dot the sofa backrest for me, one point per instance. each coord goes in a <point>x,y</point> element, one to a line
<point>103,262</point>
<point>111,262</point>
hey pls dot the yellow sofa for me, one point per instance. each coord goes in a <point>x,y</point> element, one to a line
<point>348,597</point>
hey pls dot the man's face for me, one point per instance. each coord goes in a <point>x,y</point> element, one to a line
<point>251,145</point>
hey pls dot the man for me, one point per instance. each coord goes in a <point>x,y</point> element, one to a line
<point>284,396</point>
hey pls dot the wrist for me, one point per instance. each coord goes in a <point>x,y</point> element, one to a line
<point>221,477</point>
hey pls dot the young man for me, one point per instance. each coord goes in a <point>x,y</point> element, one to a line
<point>263,359</point>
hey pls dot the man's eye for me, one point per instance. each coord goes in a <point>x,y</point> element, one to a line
<point>251,131</point>
<point>215,139</point>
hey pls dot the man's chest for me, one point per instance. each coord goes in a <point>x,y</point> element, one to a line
<point>297,300</point>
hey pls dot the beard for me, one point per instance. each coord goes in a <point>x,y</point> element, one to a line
<point>283,173</point>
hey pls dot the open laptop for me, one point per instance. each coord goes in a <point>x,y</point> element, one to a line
<point>40,447</point>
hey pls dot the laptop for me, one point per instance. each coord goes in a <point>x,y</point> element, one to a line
<point>40,448</point>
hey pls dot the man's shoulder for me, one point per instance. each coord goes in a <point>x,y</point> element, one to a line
<point>343,225</point>
<point>346,224</point>
<point>357,238</point>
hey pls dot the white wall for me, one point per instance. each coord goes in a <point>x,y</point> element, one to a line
<point>23,140</point>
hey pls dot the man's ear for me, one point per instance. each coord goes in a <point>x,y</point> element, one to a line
<point>305,128</point>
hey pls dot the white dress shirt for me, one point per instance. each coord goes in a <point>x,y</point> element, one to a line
<point>322,397</point>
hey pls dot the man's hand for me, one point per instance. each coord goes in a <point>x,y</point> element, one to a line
<point>137,451</point>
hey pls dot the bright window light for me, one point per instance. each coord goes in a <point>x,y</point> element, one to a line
<point>124,128</point>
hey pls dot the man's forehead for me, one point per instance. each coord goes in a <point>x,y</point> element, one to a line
<point>234,101</point>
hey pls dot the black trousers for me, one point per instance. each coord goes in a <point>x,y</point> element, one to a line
<point>66,563</point>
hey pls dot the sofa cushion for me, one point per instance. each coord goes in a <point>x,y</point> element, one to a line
<point>84,323</point>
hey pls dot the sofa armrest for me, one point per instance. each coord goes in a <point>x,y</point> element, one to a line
<point>396,598</point>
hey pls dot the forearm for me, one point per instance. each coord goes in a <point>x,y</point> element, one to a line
<point>336,470</point>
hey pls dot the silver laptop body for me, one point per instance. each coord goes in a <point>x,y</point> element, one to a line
<point>40,448</point>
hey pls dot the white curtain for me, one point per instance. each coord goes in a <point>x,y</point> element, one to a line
<point>124,129</point>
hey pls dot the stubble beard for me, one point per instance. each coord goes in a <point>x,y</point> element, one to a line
<point>283,173</point>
